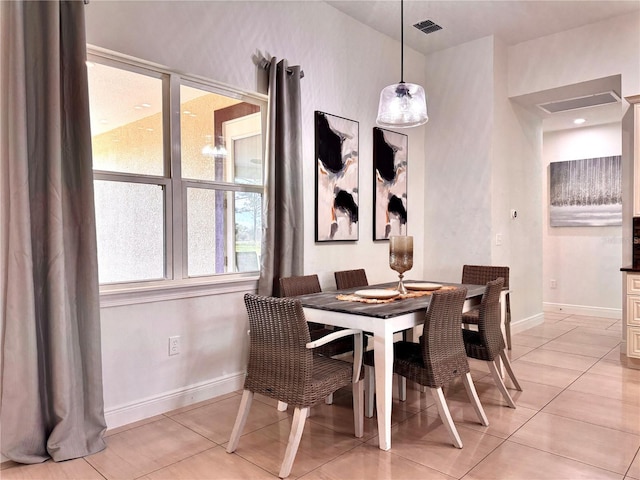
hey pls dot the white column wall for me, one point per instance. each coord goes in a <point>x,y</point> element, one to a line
<point>483,159</point>
<point>458,223</point>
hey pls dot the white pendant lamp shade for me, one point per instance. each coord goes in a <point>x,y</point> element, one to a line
<point>402,105</point>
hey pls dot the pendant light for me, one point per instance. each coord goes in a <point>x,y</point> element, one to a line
<point>402,104</point>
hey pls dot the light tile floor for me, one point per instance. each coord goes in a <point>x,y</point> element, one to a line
<point>577,418</point>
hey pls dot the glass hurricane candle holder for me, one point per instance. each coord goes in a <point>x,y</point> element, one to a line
<point>401,257</point>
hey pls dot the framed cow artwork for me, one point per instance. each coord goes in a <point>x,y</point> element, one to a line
<point>336,155</point>
<point>390,183</point>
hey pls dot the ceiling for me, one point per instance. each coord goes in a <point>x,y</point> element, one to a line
<point>513,21</point>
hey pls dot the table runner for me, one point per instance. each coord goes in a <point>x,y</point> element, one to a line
<point>351,297</point>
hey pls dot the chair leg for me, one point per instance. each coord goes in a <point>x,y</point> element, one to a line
<point>241,418</point>
<point>297,427</point>
<point>329,399</point>
<point>358,408</point>
<point>473,398</point>
<point>369,391</point>
<point>493,368</point>
<point>401,382</point>
<point>507,365</point>
<point>507,321</point>
<point>445,416</point>
<point>282,406</point>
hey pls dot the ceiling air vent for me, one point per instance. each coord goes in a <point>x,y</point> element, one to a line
<point>427,26</point>
<point>605,98</point>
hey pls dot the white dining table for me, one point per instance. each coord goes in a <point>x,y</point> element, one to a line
<point>382,320</point>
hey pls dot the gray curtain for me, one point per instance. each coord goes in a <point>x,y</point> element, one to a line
<point>283,240</point>
<point>51,402</point>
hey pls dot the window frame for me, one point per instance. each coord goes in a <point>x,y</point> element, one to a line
<point>176,284</point>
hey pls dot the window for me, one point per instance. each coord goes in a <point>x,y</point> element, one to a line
<point>178,174</point>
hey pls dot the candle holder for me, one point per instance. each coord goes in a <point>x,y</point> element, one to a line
<point>401,257</point>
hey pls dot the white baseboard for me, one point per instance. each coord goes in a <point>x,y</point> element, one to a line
<point>603,312</point>
<point>526,323</point>
<point>165,402</point>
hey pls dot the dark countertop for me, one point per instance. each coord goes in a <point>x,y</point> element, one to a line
<point>631,268</point>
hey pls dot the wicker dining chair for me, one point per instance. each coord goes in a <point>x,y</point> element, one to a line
<point>350,279</point>
<point>487,343</point>
<point>283,366</point>
<point>303,285</point>
<point>480,275</point>
<point>437,359</point>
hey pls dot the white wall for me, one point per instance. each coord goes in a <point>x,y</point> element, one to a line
<point>598,50</point>
<point>457,198</point>
<point>585,261</point>
<point>482,160</point>
<point>346,65</point>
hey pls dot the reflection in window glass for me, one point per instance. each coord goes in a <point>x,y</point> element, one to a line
<point>130,231</point>
<point>248,221</point>
<point>247,159</point>
<point>223,231</point>
<point>126,121</point>
<point>204,139</point>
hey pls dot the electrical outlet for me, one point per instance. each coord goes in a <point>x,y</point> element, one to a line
<point>553,283</point>
<point>498,239</point>
<point>174,345</point>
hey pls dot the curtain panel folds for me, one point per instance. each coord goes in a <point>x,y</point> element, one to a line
<point>283,238</point>
<point>51,401</point>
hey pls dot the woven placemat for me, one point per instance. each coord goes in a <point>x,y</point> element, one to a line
<point>350,297</point>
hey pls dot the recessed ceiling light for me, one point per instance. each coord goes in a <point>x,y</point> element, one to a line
<point>104,121</point>
<point>145,105</point>
<point>149,129</point>
<point>579,121</point>
<point>137,107</point>
<point>186,112</point>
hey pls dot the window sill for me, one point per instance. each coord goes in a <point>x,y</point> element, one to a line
<point>116,296</point>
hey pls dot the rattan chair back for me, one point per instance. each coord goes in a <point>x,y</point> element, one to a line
<point>488,342</point>
<point>351,279</point>
<point>279,362</point>
<point>482,274</point>
<point>441,343</point>
<point>300,285</point>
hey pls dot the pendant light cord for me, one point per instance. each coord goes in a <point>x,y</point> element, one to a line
<point>401,41</point>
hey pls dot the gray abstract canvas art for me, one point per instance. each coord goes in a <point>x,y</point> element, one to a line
<point>586,193</point>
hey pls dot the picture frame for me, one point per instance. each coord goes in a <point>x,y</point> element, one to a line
<point>337,178</point>
<point>586,192</point>
<point>390,163</point>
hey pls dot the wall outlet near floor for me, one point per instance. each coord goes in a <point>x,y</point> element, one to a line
<point>174,345</point>
<point>553,283</point>
<point>498,239</point>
